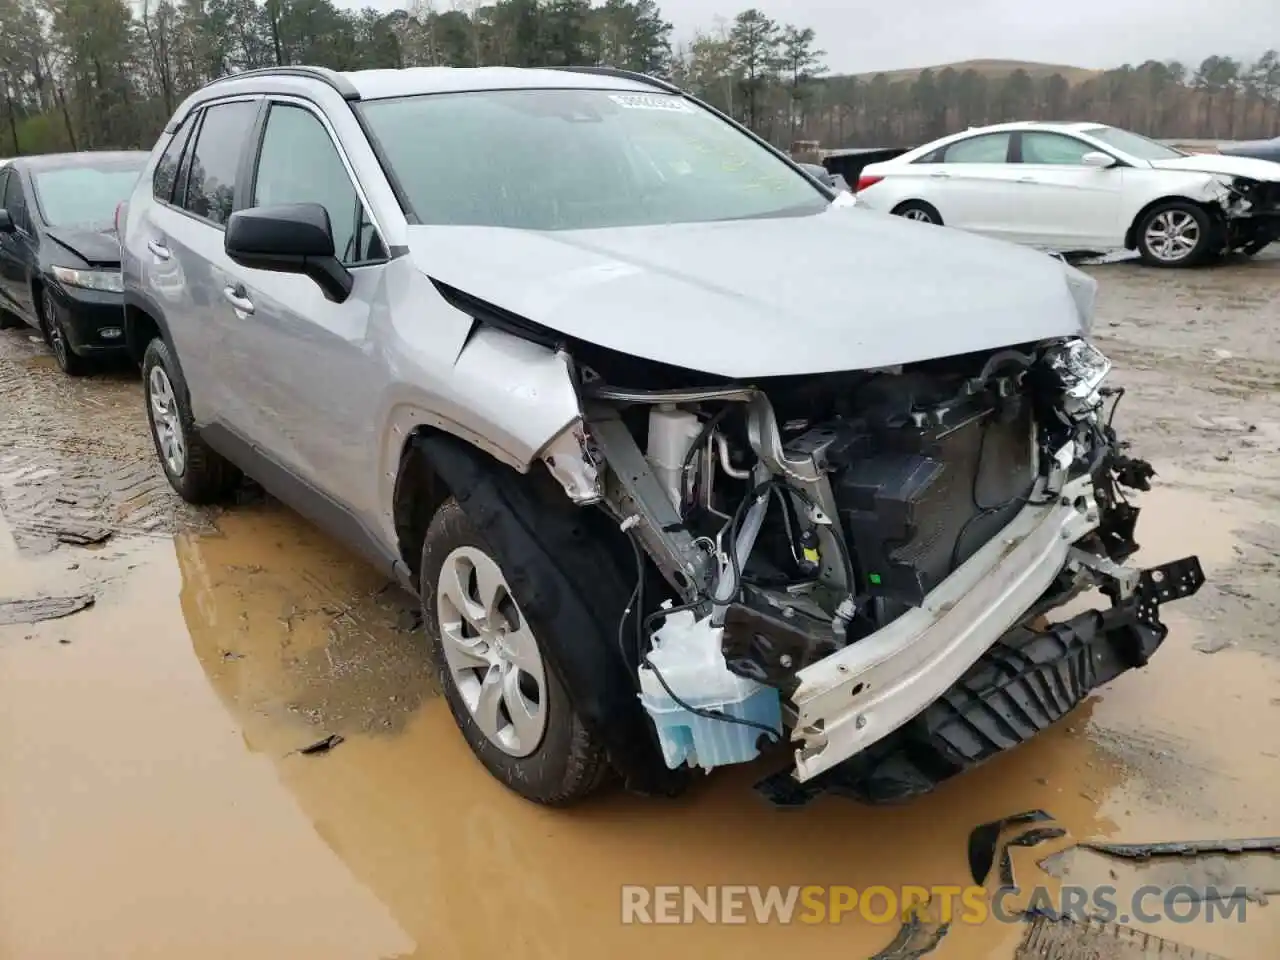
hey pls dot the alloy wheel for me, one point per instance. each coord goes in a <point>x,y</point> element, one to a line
<point>1172,235</point>
<point>166,423</point>
<point>493,658</point>
<point>57,339</point>
<point>916,213</point>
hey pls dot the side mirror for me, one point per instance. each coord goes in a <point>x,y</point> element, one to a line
<point>1096,158</point>
<point>6,221</point>
<point>289,238</point>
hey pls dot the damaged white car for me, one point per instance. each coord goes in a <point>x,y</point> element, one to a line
<point>1083,187</point>
<point>685,456</point>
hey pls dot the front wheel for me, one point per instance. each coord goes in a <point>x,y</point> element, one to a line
<point>196,471</point>
<point>919,211</point>
<point>69,362</point>
<point>1174,234</point>
<point>508,703</point>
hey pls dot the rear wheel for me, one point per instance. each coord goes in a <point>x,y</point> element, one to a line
<point>508,703</point>
<point>196,471</point>
<point>1174,234</point>
<point>919,211</point>
<point>69,362</point>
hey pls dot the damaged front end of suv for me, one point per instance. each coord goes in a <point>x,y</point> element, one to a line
<point>862,563</point>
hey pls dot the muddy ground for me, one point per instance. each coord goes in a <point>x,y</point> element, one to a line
<point>153,802</point>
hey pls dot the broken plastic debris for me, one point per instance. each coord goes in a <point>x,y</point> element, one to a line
<point>83,536</point>
<point>323,745</point>
<point>42,608</point>
<point>984,837</point>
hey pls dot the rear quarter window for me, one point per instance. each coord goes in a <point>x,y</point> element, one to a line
<point>166,174</point>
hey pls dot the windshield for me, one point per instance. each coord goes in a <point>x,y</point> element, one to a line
<point>579,159</point>
<point>1134,144</point>
<point>85,196</point>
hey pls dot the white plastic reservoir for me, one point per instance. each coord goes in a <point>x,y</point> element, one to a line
<point>687,653</point>
<point>671,434</point>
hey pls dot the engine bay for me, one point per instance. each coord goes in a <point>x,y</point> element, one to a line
<point>794,518</point>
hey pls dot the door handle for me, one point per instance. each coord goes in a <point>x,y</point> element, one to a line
<point>940,175</point>
<point>237,298</point>
<point>158,250</point>
<point>1027,180</point>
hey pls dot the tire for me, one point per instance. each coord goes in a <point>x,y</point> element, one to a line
<point>919,211</point>
<point>1187,230</point>
<point>197,472</point>
<point>554,760</point>
<point>69,362</point>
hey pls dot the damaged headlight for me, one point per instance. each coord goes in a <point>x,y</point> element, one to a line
<point>104,281</point>
<point>1080,368</point>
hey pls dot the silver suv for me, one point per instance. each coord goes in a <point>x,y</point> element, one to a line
<point>684,453</point>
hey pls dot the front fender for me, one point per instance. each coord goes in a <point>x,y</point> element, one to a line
<point>503,395</point>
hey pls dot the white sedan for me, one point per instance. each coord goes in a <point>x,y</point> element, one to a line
<point>1083,187</point>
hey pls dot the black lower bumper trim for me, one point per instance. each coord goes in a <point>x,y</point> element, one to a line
<point>1026,682</point>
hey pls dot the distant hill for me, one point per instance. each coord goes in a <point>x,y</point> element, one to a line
<point>995,69</point>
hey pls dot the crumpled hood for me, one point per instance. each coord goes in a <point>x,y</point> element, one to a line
<point>94,247</point>
<point>1220,163</point>
<point>845,289</point>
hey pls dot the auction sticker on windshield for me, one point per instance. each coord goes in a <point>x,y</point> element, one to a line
<point>643,101</point>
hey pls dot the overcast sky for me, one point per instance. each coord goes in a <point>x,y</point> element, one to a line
<point>862,35</point>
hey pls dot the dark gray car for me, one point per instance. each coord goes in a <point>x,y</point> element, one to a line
<point>1258,149</point>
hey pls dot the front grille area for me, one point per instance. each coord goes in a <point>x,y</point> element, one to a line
<point>1265,198</point>
<point>916,512</point>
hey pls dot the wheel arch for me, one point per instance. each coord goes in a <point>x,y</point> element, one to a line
<point>917,201</point>
<point>549,547</point>
<point>144,321</point>
<point>1213,211</point>
<point>37,300</point>
<point>417,493</point>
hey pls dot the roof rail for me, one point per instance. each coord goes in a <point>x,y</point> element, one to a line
<point>323,74</point>
<point>623,75</point>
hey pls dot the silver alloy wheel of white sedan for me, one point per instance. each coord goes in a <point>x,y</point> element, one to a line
<point>917,213</point>
<point>166,421</point>
<point>1172,235</point>
<point>491,652</point>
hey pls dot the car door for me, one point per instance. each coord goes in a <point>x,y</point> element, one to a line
<point>970,181</point>
<point>17,250</point>
<point>309,360</point>
<point>1065,204</point>
<point>187,267</point>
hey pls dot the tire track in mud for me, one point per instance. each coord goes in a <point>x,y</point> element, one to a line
<point>75,454</point>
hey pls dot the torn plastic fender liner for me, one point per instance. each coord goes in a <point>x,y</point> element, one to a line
<point>546,554</point>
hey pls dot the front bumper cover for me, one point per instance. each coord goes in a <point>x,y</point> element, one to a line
<point>924,664</point>
<point>1027,681</point>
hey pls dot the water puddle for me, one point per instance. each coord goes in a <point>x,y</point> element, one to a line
<point>153,802</point>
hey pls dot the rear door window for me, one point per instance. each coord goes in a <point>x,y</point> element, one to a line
<point>215,161</point>
<point>988,148</point>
